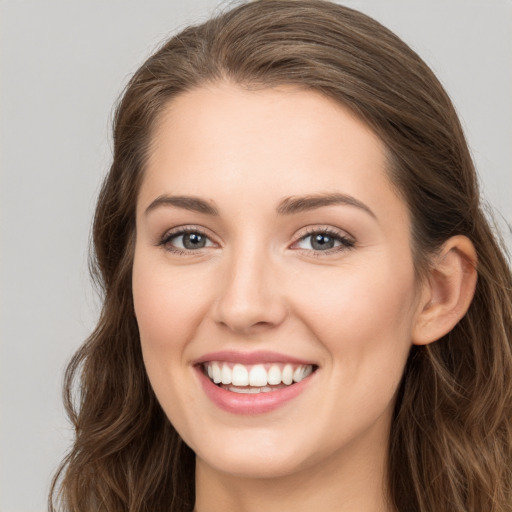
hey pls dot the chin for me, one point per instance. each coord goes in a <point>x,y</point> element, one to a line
<point>252,464</point>
<point>273,451</point>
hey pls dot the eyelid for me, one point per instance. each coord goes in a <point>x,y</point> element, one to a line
<point>347,241</point>
<point>177,231</point>
<point>323,228</point>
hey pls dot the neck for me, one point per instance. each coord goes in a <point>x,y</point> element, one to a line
<point>352,481</point>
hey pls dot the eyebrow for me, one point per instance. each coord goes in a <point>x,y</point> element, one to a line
<point>287,206</point>
<point>292,205</point>
<point>191,203</point>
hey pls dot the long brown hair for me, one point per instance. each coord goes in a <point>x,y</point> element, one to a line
<point>451,442</point>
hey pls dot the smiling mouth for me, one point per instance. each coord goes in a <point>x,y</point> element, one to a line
<point>256,378</point>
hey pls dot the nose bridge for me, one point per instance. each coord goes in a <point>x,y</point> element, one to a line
<point>249,295</point>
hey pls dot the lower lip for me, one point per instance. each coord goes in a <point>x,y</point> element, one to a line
<point>256,403</point>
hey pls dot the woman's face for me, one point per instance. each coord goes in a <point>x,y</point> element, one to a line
<point>271,246</point>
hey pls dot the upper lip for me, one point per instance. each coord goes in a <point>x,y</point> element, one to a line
<point>255,357</point>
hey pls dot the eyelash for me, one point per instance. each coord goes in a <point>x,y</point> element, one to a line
<point>345,243</point>
<point>166,239</point>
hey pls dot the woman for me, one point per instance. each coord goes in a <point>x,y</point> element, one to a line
<point>304,303</point>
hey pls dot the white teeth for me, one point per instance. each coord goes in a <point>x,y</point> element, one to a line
<point>240,375</point>
<point>246,390</point>
<point>274,375</point>
<point>217,376</point>
<point>249,390</point>
<point>226,374</point>
<point>287,374</point>
<point>308,370</point>
<point>258,376</point>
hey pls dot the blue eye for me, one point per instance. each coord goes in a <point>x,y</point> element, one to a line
<point>187,240</point>
<point>324,241</point>
<point>317,241</point>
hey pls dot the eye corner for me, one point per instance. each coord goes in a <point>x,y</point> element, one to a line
<point>328,241</point>
<point>199,240</point>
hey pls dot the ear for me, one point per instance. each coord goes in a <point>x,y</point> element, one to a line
<point>447,292</point>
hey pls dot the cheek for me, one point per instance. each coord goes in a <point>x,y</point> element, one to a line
<point>364,318</point>
<point>370,297</point>
<point>365,325</point>
<point>168,304</point>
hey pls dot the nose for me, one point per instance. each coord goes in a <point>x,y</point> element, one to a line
<point>250,297</point>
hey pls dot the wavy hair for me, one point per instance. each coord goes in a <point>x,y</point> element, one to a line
<point>451,441</point>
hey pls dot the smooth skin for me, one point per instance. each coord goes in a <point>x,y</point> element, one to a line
<point>225,166</point>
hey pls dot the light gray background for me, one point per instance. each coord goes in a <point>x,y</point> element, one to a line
<point>63,64</point>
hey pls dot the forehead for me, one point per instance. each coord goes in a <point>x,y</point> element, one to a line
<point>221,140</point>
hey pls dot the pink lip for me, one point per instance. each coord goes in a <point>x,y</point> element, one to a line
<point>256,357</point>
<point>257,403</point>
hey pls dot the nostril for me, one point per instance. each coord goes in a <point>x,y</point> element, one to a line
<point>247,304</point>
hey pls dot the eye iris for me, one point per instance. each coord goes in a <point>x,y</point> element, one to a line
<point>322,242</point>
<point>194,241</point>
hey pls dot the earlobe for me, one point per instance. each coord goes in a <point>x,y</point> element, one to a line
<point>447,292</point>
